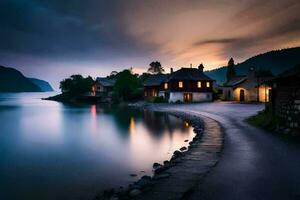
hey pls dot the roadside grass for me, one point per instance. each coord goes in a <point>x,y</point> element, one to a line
<point>265,120</point>
<point>273,124</point>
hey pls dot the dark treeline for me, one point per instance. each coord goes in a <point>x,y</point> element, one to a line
<point>128,85</point>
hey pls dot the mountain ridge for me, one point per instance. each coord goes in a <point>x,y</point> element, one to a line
<point>12,80</point>
<point>276,61</point>
<point>42,84</point>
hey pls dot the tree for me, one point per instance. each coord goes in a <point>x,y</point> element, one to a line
<point>156,68</point>
<point>230,69</point>
<point>127,86</point>
<point>76,85</point>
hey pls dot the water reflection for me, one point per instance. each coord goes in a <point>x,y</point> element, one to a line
<point>53,151</point>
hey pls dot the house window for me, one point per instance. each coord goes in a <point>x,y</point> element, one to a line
<point>208,84</point>
<point>166,85</point>
<point>180,84</point>
<point>199,84</point>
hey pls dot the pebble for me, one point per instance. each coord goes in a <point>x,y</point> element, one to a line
<point>156,165</point>
<point>161,176</point>
<point>134,192</point>
<point>183,149</point>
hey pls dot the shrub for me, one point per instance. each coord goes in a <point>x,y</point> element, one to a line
<point>128,87</point>
<point>159,99</point>
<point>76,85</point>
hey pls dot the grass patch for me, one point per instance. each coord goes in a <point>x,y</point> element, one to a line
<point>265,120</point>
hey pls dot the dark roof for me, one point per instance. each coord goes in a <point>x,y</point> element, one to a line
<point>106,82</point>
<point>155,80</point>
<point>264,73</point>
<point>235,81</point>
<point>188,74</point>
<point>295,71</point>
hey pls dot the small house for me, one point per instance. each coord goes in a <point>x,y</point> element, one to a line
<point>184,85</point>
<point>103,86</point>
<point>153,85</point>
<point>248,88</point>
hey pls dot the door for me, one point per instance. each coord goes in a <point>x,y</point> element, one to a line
<point>242,95</point>
<point>187,97</point>
<point>167,96</point>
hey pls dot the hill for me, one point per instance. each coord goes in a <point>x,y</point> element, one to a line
<point>12,80</point>
<point>43,85</point>
<point>276,61</point>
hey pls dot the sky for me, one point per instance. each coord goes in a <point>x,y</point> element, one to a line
<point>52,39</point>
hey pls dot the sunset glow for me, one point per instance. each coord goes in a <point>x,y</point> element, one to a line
<point>97,37</point>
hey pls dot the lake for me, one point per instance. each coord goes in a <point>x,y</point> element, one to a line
<point>50,150</point>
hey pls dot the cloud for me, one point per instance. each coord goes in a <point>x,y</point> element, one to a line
<point>116,34</point>
<point>211,31</point>
<point>64,30</point>
<point>216,41</point>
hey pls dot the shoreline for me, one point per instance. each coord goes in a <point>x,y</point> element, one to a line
<point>189,164</point>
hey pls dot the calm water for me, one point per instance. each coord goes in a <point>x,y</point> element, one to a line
<point>49,150</point>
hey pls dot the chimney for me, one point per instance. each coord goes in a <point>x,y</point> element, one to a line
<point>201,67</point>
<point>251,72</point>
<point>171,70</point>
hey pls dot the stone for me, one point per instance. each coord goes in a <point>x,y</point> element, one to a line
<point>156,165</point>
<point>114,198</point>
<point>160,169</point>
<point>183,149</point>
<point>186,140</point>
<point>134,186</point>
<point>144,182</point>
<point>177,153</point>
<point>161,176</point>
<point>134,192</point>
<point>166,162</point>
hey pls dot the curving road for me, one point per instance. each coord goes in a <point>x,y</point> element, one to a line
<point>255,164</point>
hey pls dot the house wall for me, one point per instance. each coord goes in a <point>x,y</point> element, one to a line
<point>204,96</point>
<point>264,93</point>
<point>227,93</point>
<point>285,101</point>
<point>197,96</point>
<point>100,87</point>
<point>176,96</point>
<point>151,91</point>
<point>250,94</point>
<point>161,94</point>
<point>190,86</point>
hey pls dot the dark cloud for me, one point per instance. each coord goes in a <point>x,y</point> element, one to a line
<point>216,41</point>
<point>63,28</point>
<point>122,33</point>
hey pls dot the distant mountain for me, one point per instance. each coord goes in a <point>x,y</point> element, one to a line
<point>276,61</point>
<point>43,85</point>
<point>11,80</point>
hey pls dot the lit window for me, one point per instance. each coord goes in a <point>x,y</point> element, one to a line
<point>199,84</point>
<point>208,84</point>
<point>180,84</point>
<point>166,86</point>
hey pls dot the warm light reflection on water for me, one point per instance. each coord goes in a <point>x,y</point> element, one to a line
<point>71,152</point>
